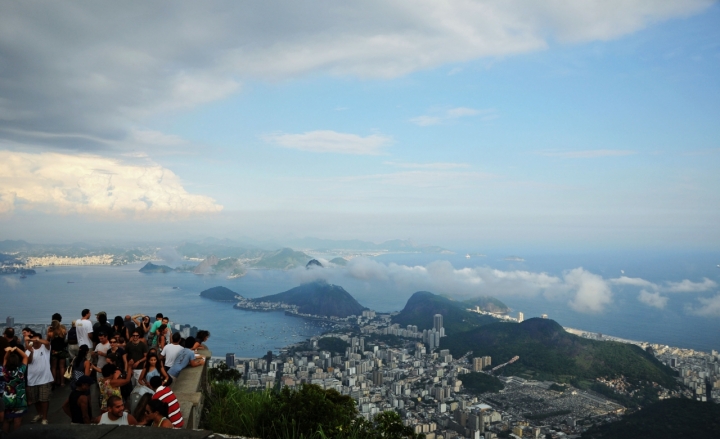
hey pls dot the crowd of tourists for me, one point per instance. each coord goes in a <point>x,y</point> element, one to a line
<point>118,373</point>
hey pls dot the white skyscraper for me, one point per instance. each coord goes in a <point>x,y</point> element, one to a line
<point>521,317</point>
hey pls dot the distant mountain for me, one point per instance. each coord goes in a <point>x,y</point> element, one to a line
<point>423,305</point>
<point>220,294</point>
<point>284,259</point>
<point>313,263</point>
<point>339,261</point>
<point>320,298</point>
<point>487,303</point>
<point>667,419</point>
<point>219,248</point>
<point>396,245</point>
<point>207,265</point>
<point>548,352</point>
<point>152,268</point>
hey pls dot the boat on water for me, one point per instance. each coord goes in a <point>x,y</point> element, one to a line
<point>467,256</point>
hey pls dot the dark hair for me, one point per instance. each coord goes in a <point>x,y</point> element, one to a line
<point>57,317</point>
<point>159,407</point>
<point>9,332</point>
<point>108,370</point>
<point>155,382</point>
<point>190,342</point>
<point>147,361</point>
<point>85,312</point>
<point>81,356</point>
<point>119,321</point>
<point>139,412</point>
<point>13,361</point>
<point>202,335</point>
<point>176,337</point>
<point>27,329</point>
<point>162,327</point>
<point>111,400</point>
<point>158,315</point>
<point>102,319</point>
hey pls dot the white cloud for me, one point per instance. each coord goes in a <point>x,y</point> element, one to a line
<point>436,165</point>
<point>157,138</point>
<point>709,307</point>
<point>453,113</point>
<point>592,293</point>
<point>91,184</point>
<point>652,299</point>
<point>331,141</point>
<point>633,281</point>
<point>107,66</point>
<point>687,286</point>
<point>590,154</point>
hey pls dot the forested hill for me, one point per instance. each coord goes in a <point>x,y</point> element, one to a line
<point>320,298</point>
<point>423,305</point>
<point>547,351</point>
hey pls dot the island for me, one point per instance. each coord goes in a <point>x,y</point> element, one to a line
<point>152,268</point>
<point>220,294</point>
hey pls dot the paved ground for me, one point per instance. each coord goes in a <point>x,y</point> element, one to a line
<point>56,415</point>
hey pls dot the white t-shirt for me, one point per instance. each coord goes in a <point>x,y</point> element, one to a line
<point>170,352</point>
<point>38,371</point>
<point>101,358</point>
<point>84,329</point>
<point>105,420</point>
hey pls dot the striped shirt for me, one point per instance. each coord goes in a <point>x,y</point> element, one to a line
<point>166,395</point>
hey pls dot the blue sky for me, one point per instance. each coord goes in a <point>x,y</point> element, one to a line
<point>590,124</point>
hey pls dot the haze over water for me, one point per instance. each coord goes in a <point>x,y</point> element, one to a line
<point>122,290</point>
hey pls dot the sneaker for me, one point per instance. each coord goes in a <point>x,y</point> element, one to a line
<point>35,419</point>
<point>44,422</point>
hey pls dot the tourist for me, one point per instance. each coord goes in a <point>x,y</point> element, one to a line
<point>77,406</point>
<point>171,351</point>
<point>200,340</point>
<point>185,358</point>
<point>152,332</point>
<point>4,343</point>
<point>14,398</point>
<point>101,325</point>
<point>119,329</point>
<point>58,351</point>
<point>165,394</point>
<point>81,366</point>
<point>129,325</point>
<point>72,341</point>
<point>84,329</point>
<point>143,325</point>
<point>117,354</point>
<point>161,336</point>
<point>100,353</point>
<point>136,351</point>
<point>139,406</point>
<point>13,340</point>
<point>111,384</point>
<point>39,375</point>
<point>157,413</point>
<point>116,414</point>
<point>152,368</point>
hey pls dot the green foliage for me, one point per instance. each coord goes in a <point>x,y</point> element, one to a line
<point>333,344</point>
<point>478,382</point>
<point>307,412</point>
<point>668,419</point>
<point>423,305</point>
<point>487,303</point>
<point>547,352</point>
<point>221,294</point>
<point>284,259</point>
<point>320,298</point>
<point>558,388</point>
<point>152,268</point>
<point>224,373</point>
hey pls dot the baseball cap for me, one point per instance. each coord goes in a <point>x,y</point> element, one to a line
<point>103,313</point>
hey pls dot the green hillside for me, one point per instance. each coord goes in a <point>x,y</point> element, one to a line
<point>673,418</point>
<point>423,305</point>
<point>320,298</point>
<point>221,294</point>
<point>478,382</point>
<point>284,259</point>
<point>152,268</point>
<point>487,303</point>
<point>547,351</point>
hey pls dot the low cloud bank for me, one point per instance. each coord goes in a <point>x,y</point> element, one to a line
<point>582,290</point>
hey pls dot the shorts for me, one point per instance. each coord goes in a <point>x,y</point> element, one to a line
<point>39,393</point>
<point>59,355</point>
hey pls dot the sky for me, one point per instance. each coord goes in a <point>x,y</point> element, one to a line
<point>558,124</point>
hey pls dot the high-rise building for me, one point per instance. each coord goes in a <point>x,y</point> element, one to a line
<point>521,317</point>
<point>544,316</point>
<point>437,322</point>
<point>377,377</point>
<point>486,361</point>
<point>10,322</point>
<point>230,359</point>
<point>477,364</point>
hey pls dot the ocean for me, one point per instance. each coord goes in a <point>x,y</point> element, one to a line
<point>383,284</point>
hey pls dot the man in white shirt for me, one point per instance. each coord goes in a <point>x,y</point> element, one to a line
<point>171,351</point>
<point>39,375</point>
<point>84,328</point>
<point>116,414</point>
<point>101,351</point>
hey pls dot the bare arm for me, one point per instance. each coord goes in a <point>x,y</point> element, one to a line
<point>131,420</point>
